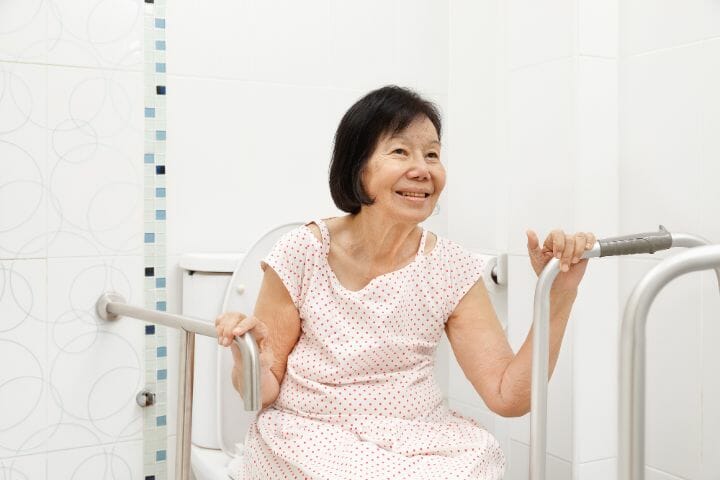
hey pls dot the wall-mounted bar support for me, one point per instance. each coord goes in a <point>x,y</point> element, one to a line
<point>111,305</point>
<point>186,377</point>
<point>649,242</point>
<point>631,414</point>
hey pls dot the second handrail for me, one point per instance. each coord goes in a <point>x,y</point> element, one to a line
<point>650,242</point>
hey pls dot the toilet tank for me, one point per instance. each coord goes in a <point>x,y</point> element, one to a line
<point>205,279</point>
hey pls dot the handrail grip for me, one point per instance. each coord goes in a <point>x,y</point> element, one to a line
<point>110,305</point>
<point>624,245</point>
<point>631,418</point>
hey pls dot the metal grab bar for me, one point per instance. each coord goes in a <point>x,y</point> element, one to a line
<point>623,245</point>
<point>631,417</point>
<point>110,305</point>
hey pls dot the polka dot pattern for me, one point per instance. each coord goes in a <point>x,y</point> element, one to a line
<point>359,399</point>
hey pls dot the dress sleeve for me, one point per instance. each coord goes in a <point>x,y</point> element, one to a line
<point>293,258</point>
<point>464,270</point>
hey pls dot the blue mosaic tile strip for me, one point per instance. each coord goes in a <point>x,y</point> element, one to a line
<point>154,163</point>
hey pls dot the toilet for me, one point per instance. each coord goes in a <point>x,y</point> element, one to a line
<point>212,284</point>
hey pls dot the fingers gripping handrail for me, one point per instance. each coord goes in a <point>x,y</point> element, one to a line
<point>631,415</point>
<point>649,242</point>
<point>110,305</point>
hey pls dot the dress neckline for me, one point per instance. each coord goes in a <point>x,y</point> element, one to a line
<point>325,234</point>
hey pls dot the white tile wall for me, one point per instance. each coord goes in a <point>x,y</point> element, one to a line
<point>519,468</point>
<point>291,41</point>
<point>23,194</point>
<point>660,135</point>
<point>220,51</point>
<point>262,155</point>
<point>25,467</point>
<point>710,119</point>
<point>356,46</point>
<point>91,34</point>
<point>94,132</point>
<point>596,320</point>
<point>95,368</point>
<point>23,336</point>
<point>23,26</point>
<point>171,446</point>
<point>656,24</point>
<point>421,39</point>
<point>540,151</point>
<point>70,226</point>
<point>654,474</point>
<point>710,333</point>
<point>476,194</point>
<point>596,160</point>
<point>597,470</point>
<point>362,52</point>
<point>597,28</point>
<point>712,18</point>
<point>118,461</point>
<point>539,31</point>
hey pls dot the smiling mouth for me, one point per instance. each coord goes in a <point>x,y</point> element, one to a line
<point>413,195</point>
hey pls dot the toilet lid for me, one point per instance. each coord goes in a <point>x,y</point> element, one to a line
<point>232,420</point>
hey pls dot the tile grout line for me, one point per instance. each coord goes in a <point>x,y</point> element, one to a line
<point>155,456</point>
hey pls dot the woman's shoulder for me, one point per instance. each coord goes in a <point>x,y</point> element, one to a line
<point>302,237</point>
<point>442,244</point>
<point>314,229</point>
<point>431,242</point>
<point>449,251</point>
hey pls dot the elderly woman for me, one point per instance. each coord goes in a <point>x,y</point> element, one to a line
<point>351,310</point>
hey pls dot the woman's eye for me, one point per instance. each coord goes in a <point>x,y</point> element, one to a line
<point>433,154</point>
<point>400,150</point>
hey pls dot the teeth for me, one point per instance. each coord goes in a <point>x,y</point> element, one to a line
<point>412,194</point>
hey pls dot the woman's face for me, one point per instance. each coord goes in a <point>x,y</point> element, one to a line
<point>404,174</point>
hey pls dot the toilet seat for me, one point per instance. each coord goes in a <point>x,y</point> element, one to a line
<point>209,463</point>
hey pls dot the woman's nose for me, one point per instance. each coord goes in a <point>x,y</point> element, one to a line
<point>420,168</point>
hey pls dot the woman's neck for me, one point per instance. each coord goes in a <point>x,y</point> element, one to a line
<point>380,240</point>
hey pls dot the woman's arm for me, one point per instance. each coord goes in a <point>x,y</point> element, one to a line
<point>503,379</point>
<point>275,308</point>
<point>500,377</point>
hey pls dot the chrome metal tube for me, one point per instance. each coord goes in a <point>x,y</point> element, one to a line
<point>186,373</point>
<point>110,305</point>
<point>689,240</point>
<point>631,416</point>
<point>540,363</point>
<point>540,367</point>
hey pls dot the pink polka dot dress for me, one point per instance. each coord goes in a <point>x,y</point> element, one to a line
<point>359,399</point>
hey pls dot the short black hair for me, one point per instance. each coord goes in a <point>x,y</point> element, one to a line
<point>389,109</point>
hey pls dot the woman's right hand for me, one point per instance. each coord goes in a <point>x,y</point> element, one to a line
<point>232,324</point>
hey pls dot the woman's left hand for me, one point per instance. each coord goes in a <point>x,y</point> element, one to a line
<point>568,248</point>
